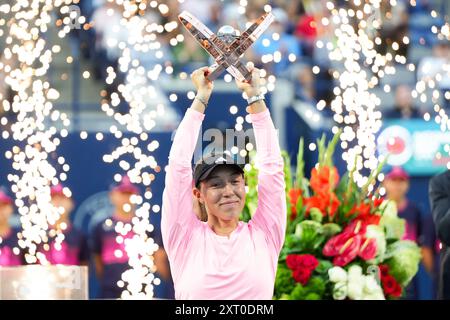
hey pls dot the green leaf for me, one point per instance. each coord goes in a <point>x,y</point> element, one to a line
<point>284,283</point>
<point>305,188</point>
<point>328,157</point>
<point>300,166</point>
<point>330,229</point>
<point>310,235</point>
<point>300,209</point>
<point>299,292</point>
<point>321,148</point>
<point>312,296</point>
<point>372,179</point>
<point>287,170</point>
<point>324,266</point>
<point>316,214</point>
<point>343,185</point>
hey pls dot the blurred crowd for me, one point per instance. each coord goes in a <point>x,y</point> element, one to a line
<point>289,49</point>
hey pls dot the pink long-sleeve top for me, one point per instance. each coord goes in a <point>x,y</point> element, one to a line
<point>209,266</point>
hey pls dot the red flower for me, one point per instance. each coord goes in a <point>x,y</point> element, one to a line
<point>294,194</point>
<point>308,261</point>
<point>384,270</point>
<point>368,249</point>
<point>301,261</point>
<point>349,244</point>
<point>363,209</point>
<point>370,219</point>
<point>302,275</point>
<point>302,266</point>
<point>344,247</point>
<point>377,202</point>
<point>324,179</point>
<point>293,261</point>
<point>356,227</point>
<point>391,286</point>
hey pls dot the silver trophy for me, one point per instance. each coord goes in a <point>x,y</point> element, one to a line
<point>228,45</point>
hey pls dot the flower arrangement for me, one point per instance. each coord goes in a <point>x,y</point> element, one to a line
<point>342,241</point>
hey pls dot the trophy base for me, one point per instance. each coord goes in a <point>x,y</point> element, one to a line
<point>36,282</point>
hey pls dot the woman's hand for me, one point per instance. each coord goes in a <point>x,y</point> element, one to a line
<point>251,88</point>
<point>203,86</point>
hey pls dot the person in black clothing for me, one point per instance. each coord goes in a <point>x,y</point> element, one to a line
<point>439,193</point>
<point>404,107</point>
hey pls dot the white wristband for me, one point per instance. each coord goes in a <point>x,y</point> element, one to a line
<point>253,99</point>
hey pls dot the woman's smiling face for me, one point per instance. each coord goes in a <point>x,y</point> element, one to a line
<point>223,193</point>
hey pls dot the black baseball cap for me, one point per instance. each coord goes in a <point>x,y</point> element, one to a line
<point>207,164</point>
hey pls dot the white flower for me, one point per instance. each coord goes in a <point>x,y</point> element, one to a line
<point>356,282</point>
<point>374,296</point>
<point>371,285</point>
<point>354,271</point>
<point>355,290</point>
<point>337,274</point>
<point>340,291</point>
<point>372,290</point>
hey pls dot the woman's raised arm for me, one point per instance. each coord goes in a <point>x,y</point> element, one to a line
<point>177,212</point>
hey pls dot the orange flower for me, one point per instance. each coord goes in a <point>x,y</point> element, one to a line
<point>363,209</point>
<point>324,179</point>
<point>315,202</point>
<point>294,194</point>
<point>369,219</point>
<point>364,215</point>
<point>324,201</point>
<point>333,204</point>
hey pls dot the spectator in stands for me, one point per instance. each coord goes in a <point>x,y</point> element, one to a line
<point>429,67</point>
<point>439,193</point>
<point>110,257</point>
<point>306,31</point>
<point>436,68</point>
<point>275,46</point>
<point>231,16</point>
<point>10,255</point>
<point>106,23</point>
<point>4,88</point>
<point>294,10</point>
<point>215,15</point>
<point>67,245</point>
<point>404,107</point>
<point>188,55</point>
<point>6,92</point>
<point>419,227</point>
<point>200,8</point>
<point>394,26</point>
<point>303,79</point>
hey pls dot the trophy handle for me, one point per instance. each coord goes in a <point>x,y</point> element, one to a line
<point>215,73</point>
